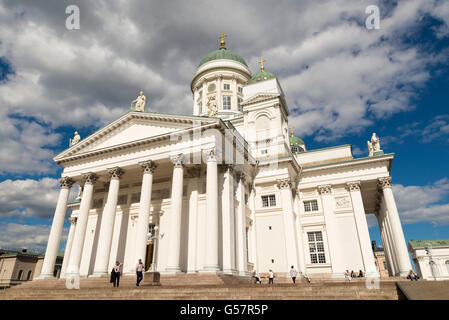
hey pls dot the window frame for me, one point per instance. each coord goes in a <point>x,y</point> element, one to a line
<point>225,99</point>
<point>270,200</point>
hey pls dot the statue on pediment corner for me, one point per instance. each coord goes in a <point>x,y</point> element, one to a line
<point>75,139</point>
<point>139,102</point>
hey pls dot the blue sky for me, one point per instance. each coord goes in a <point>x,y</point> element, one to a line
<point>342,83</point>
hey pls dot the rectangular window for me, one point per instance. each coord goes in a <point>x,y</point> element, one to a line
<point>311,205</point>
<point>135,197</point>
<point>240,100</point>
<point>122,199</point>
<point>240,89</point>
<point>269,201</point>
<point>226,103</point>
<point>226,86</point>
<point>316,247</point>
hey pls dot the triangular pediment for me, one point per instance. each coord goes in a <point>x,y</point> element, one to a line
<point>133,127</point>
<point>260,98</point>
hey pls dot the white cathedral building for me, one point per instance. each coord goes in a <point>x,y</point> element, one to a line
<point>223,190</point>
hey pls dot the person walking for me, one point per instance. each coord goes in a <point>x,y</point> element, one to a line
<point>293,274</point>
<point>270,277</point>
<point>139,272</point>
<point>115,273</point>
<point>256,277</point>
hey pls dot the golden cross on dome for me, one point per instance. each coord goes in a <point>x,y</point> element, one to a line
<point>222,42</point>
<point>291,131</point>
<point>261,61</point>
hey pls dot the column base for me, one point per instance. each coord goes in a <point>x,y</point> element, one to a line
<point>44,276</point>
<point>230,271</point>
<point>99,275</point>
<point>211,269</point>
<point>244,273</point>
<point>172,270</point>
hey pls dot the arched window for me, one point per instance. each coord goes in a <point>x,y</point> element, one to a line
<point>297,149</point>
<point>20,275</point>
<point>29,275</point>
<point>434,269</point>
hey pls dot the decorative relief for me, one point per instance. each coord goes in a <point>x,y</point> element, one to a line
<point>342,203</point>
<point>90,178</point>
<point>178,160</point>
<point>148,166</point>
<point>353,186</point>
<point>384,182</point>
<point>66,182</point>
<point>116,173</point>
<point>326,189</point>
<point>284,183</point>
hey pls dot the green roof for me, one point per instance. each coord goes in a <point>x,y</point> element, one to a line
<point>222,53</point>
<point>426,243</point>
<point>295,141</point>
<point>261,76</point>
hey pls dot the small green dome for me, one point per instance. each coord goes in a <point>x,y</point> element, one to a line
<point>261,76</point>
<point>222,53</point>
<point>295,141</point>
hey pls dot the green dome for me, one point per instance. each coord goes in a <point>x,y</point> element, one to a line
<point>295,141</point>
<point>222,53</point>
<point>261,76</point>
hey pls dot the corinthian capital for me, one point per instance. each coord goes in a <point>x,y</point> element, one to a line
<point>353,186</point>
<point>148,166</point>
<point>384,182</point>
<point>73,220</point>
<point>66,182</point>
<point>325,189</point>
<point>90,178</point>
<point>284,183</point>
<point>116,173</point>
<point>178,160</point>
<point>211,154</point>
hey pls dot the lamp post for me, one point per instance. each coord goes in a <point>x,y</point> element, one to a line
<point>431,262</point>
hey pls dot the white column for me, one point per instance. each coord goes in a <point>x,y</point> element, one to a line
<point>107,224</point>
<point>174,243</point>
<point>388,238</point>
<point>211,261</point>
<point>204,97</point>
<point>228,220</point>
<point>192,192</point>
<point>251,201</point>
<point>285,185</point>
<point>234,99</point>
<point>148,168</point>
<point>385,244</point>
<point>68,246</point>
<point>299,235</point>
<point>362,229</point>
<point>219,96</point>
<point>399,243</point>
<point>331,230</point>
<point>56,229</point>
<point>240,223</point>
<point>81,225</point>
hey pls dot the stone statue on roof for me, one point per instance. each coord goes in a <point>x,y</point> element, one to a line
<point>211,107</point>
<point>139,102</point>
<point>373,145</point>
<point>75,139</point>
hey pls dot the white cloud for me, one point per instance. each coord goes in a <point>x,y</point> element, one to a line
<point>423,203</point>
<point>31,237</point>
<point>29,198</point>
<point>339,77</point>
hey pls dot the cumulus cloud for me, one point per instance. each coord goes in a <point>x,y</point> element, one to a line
<point>29,198</point>
<point>423,203</point>
<point>31,237</point>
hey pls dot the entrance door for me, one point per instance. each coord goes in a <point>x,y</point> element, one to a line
<point>149,256</point>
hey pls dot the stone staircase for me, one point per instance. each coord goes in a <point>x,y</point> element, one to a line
<point>202,287</point>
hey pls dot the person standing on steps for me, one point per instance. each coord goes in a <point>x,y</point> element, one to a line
<point>139,272</point>
<point>293,274</point>
<point>115,273</point>
<point>270,277</point>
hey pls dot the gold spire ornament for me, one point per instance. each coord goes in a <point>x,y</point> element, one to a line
<point>222,42</point>
<point>261,61</point>
<point>291,131</point>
